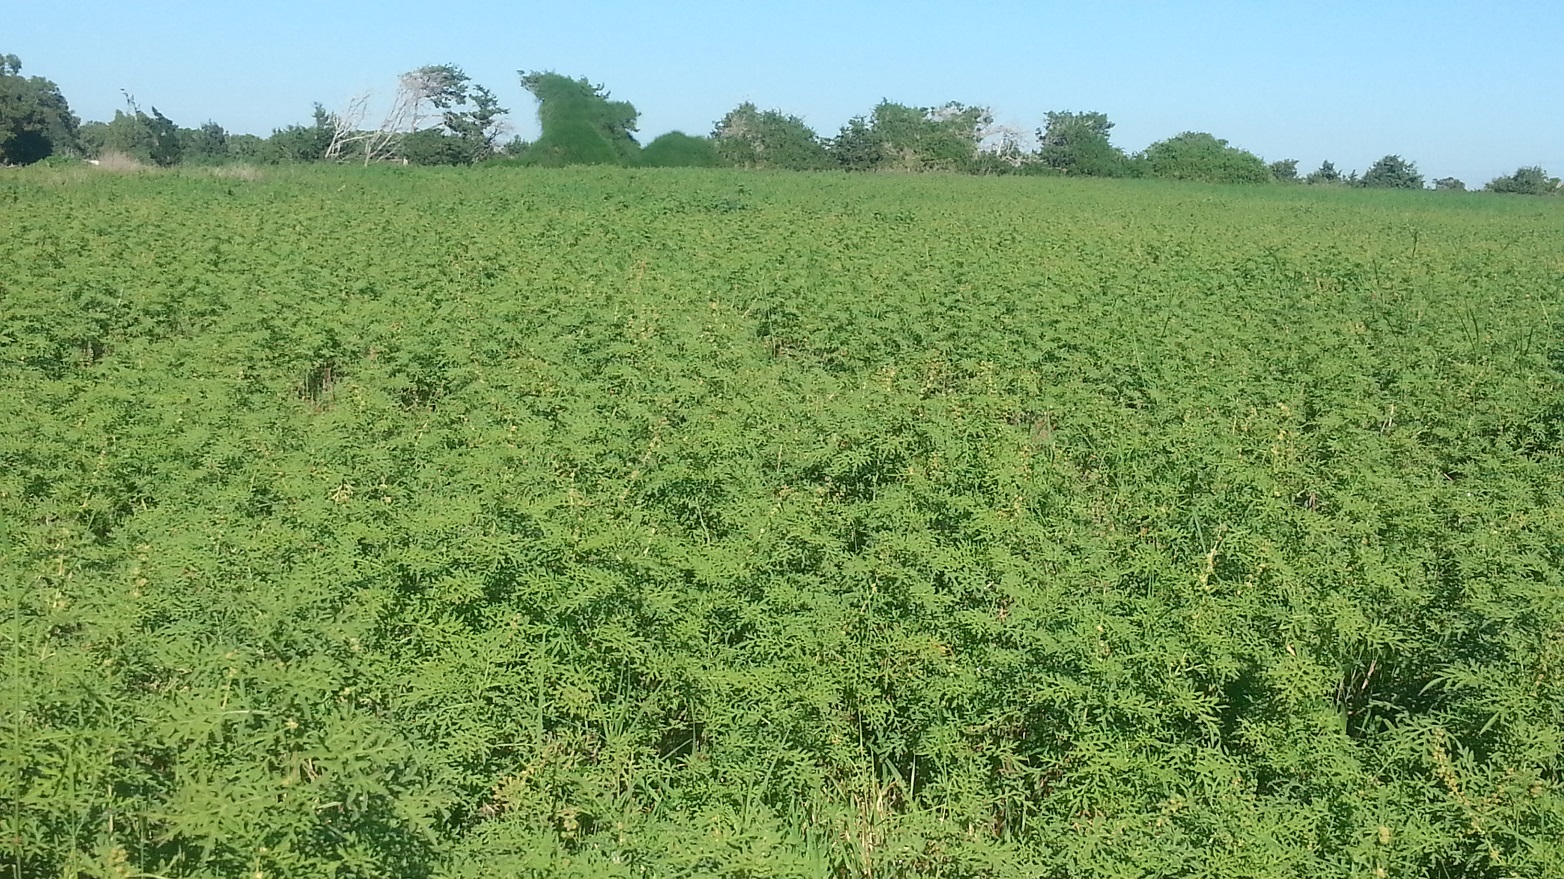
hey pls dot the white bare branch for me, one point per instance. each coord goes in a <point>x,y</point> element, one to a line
<point>412,106</point>
<point>347,126</point>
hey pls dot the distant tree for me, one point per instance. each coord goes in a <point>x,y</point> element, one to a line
<point>1002,149</point>
<point>1326,174</point>
<point>433,146</point>
<point>857,146</point>
<point>304,143</point>
<point>581,125</point>
<point>1285,171</point>
<point>477,122</point>
<point>90,136</point>
<point>947,137</point>
<point>435,89</point>
<point>1525,181</point>
<point>124,134</point>
<point>247,148</point>
<point>750,138</point>
<point>471,119</point>
<point>437,116</point>
<point>904,138</point>
<point>1077,143</point>
<point>424,95</point>
<point>1449,184</point>
<point>207,145</point>
<point>679,150</point>
<point>899,130</point>
<point>1196,155</point>
<point>35,120</point>
<point>571,141</point>
<point>1392,172</point>
<point>167,146</point>
<point>153,139</point>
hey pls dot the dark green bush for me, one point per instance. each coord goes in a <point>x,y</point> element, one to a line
<point>679,150</point>
<point>1198,156</point>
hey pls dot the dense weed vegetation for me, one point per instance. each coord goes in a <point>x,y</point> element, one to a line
<point>423,523</point>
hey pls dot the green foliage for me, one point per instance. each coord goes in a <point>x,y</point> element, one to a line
<point>570,142</point>
<point>607,522</point>
<point>443,86</point>
<point>581,126</point>
<point>858,147</point>
<point>433,146</point>
<point>748,137</point>
<point>478,124</point>
<point>1526,181</point>
<point>153,139</point>
<point>61,160</point>
<point>1077,144</point>
<point>248,148</point>
<point>679,150</point>
<point>1449,184</point>
<point>166,145</point>
<point>91,135</point>
<point>471,118</point>
<point>207,145</point>
<point>1325,174</point>
<point>303,143</point>
<point>1202,157</point>
<point>1285,171</point>
<point>35,120</point>
<point>901,138</point>
<point>1392,172</point>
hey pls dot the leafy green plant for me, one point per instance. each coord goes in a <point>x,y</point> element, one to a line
<point>1195,155</point>
<point>1526,181</point>
<point>581,126</point>
<point>679,150</point>
<point>1392,172</point>
<point>597,521</point>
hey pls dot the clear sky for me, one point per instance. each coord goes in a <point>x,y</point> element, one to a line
<point>1465,89</point>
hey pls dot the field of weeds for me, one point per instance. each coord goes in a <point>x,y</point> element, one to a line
<point>377,522</point>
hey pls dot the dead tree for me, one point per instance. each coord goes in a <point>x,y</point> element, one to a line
<point>419,94</point>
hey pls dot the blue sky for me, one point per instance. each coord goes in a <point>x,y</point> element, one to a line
<point>1464,89</point>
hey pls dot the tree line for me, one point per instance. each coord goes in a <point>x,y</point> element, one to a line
<point>439,116</point>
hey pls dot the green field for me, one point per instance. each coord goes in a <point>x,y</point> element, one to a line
<point>488,523</point>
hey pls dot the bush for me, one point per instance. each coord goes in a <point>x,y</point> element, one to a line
<point>61,161</point>
<point>679,150</point>
<point>1392,172</point>
<point>581,126</point>
<point>1196,155</point>
<point>569,142</point>
<point>748,137</point>
<point>432,146</point>
<point>1325,174</point>
<point>1077,143</point>
<point>1525,181</point>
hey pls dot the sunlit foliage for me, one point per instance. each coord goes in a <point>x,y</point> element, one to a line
<point>437,523</point>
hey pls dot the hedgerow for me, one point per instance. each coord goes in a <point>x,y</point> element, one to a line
<point>625,522</point>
